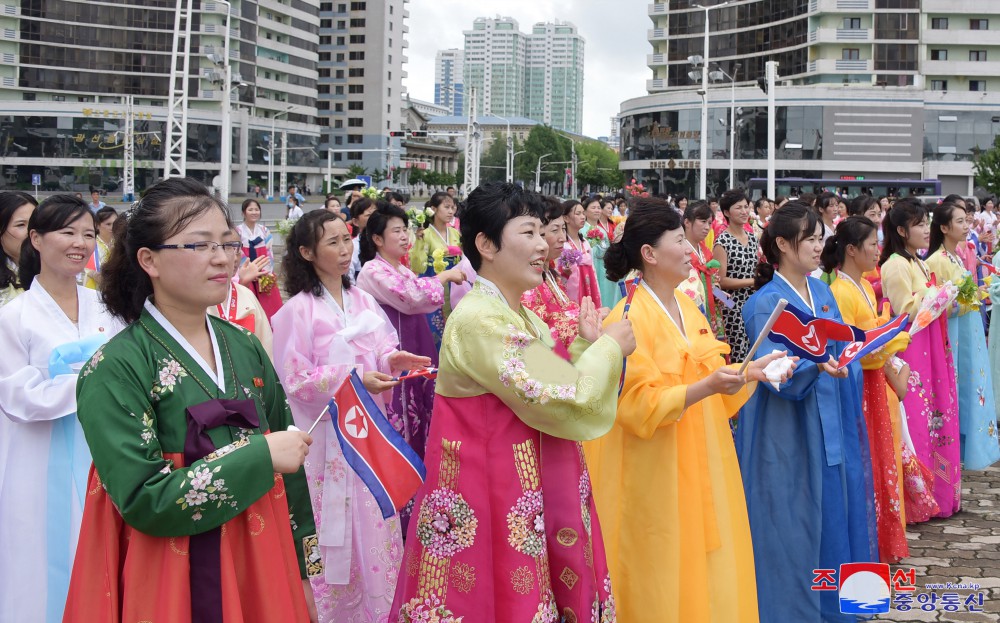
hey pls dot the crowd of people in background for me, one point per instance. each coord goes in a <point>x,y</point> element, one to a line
<point>594,448</point>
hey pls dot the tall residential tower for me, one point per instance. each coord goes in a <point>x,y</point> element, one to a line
<point>449,71</point>
<point>537,75</point>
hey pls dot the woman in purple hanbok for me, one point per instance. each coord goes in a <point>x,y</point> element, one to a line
<point>405,299</point>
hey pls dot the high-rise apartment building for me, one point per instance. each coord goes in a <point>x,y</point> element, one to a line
<point>362,53</point>
<point>887,89</point>
<point>537,75</point>
<point>449,71</point>
<point>554,83</point>
<point>67,66</point>
<point>495,51</point>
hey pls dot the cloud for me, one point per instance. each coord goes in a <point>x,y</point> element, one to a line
<point>614,59</point>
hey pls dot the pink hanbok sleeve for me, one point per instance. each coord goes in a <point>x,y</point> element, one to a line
<point>401,289</point>
<point>310,358</point>
<point>381,341</point>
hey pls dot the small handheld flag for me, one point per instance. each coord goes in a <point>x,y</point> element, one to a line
<point>378,454</point>
<point>874,340</point>
<point>807,336</point>
<point>628,305</point>
<point>763,334</point>
<point>430,373</point>
<point>94,263</point>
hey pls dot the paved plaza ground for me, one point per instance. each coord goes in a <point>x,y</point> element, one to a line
<point>964,548</point>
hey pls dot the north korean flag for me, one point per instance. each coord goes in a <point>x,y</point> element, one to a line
<point>378,454</point>
<point>874,340</point>
<point>808,337</point>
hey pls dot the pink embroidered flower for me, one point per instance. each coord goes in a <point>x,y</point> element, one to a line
<point>202,478</point>
<point>532,389</point>
<point>446,524</point>
<point>526,524</point>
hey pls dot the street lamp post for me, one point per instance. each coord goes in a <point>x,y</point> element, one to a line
<point>270,157</point>
<point>703,182</point>
<point>226,117</point>
<point>718,74</point>
<point>538,173</point>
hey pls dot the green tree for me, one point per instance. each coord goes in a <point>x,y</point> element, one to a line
<point>355,170</point>
<point>543,140</point>
<point>460,170</point>
<point>986,166</point>
<point>493,163</point>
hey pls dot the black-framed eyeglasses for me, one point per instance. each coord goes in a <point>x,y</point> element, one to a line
<point>205,247</point>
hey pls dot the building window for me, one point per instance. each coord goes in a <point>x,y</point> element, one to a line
<point>852,23</point>
<point>355,105</point>
<point>338,107</point>
<point>354,155</point>
<point>341,8</point>
<point>359,6</point>
<point>939,85</point>
<point>356,88</point>
<point>356,72</point>
<point>355,122</point>
<point>850,54</point>
<point>357,38</point>
<point>977,55</point>
<point>357,56</point>
<point>358,22</point>
<point>338,157</point>
<point>340,74</point>
<point>979,24</point>
<point>939,23</point>
<point>977,85</point>
<point>338,90</point>
<point>355,139</point>
<point>340,57</point>
<point>338,123</point>
<point>341,25</point>
<point>340,41</point>
<point>939,55</point>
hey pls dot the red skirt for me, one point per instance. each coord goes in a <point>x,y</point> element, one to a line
<point>891,535</point>
<point>123,575</point>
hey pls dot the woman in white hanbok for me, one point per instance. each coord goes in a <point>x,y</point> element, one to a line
<point>46,334</point>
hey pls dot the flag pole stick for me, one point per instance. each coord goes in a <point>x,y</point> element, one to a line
<point>326,410</point>
<point>763,333</point>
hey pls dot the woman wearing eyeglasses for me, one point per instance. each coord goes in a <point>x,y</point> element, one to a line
<point>197,508</point>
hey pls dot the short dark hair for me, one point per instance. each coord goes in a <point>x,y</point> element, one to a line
<point>10,201</point>
<point>488,210</point>
<point>553,209</point>
<point>104,214</point>
<point>860,204</point>
<point>377,222</point>
<point>164,211</point>
<point>53,214</point>
<point>300,274</point>
<point>698,211</point>
<point>731,198</point>
<point>648,219</point>
<point>247,203</point>
<point>359,206</point>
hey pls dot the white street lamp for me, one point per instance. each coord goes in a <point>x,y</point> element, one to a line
<point>538,173</point>
<point>703,182</point>
<point>717,75</point>
<point>270,159</point>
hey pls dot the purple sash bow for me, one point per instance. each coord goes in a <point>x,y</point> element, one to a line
<point>204,553</point>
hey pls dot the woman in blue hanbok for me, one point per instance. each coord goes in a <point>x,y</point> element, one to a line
<point>977,420</point>
<point>803,448</point>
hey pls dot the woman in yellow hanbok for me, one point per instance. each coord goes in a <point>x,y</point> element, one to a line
<point>666,478</point>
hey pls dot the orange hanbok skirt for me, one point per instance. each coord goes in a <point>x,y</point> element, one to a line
<point>123,575</point>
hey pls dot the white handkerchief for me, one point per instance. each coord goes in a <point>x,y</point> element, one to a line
<point>776,370</point>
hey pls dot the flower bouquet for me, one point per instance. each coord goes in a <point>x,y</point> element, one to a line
<point>597,238</point>
<point>936,301</point>
<point>371,192</point>
<point>439,256</point>
<point>266,282</point>
<point>969,294</point>
<point>636,189</point>
<point>284,227</point>
<point>419,216</point>
<point>567,260</point>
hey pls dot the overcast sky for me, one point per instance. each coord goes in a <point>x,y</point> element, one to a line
<point>614,58</point>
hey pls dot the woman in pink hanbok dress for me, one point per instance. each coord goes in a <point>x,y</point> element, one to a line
<point>326,329</point>
<point>579,275</point>
<point>931,404</point>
